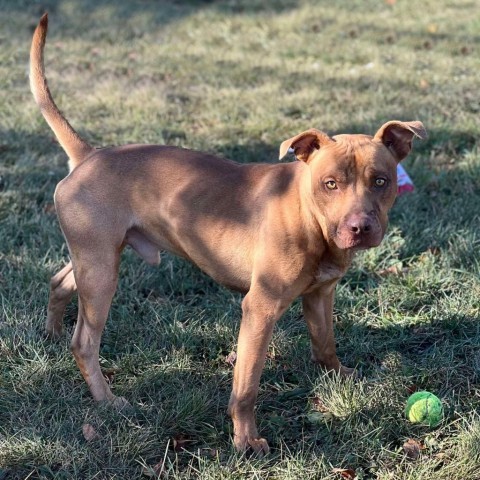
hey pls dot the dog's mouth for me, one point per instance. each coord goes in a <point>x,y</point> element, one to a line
<point>358,241</point>
<point>362,244</point>
<point>355,244</point>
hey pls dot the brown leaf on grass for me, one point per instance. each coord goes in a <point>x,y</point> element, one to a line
<point>441,456</point>
<point>231,358</point>
<point>347,473</point>
<point>319,405</point>
<point>390,39</point>
<point>270,355</point>
<point>434,250</point>
<point>180,442</point>
<point>423,84</point>
<point>412,389</point>
<point>412,448</point>
<point>109,374</point>
<point>396,269</point>
<point>427,45</point>
<point>208,452</point>
<point>157,471</point>
<point>89,433</point>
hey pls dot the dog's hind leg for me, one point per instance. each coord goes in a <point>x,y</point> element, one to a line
<point>96,275</point>
<point>62,289</point>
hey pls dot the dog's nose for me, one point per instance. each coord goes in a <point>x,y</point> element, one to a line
<point>359,224</point>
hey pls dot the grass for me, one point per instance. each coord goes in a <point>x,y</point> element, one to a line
<point>237,78</point>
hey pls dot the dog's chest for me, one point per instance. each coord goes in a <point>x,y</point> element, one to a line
<point>328,272</point>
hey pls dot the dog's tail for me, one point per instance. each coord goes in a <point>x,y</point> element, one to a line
<point>76,148</point>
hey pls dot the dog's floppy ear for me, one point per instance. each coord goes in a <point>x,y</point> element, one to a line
<point>305,143</point>
<point>397,136</point>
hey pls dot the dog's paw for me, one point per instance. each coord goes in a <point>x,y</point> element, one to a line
<point>347,371</point>
<point>259,446</point>
<point>247,439</point>
<point>53,332</point>
<point>334,366</point>
<point>120,404</point>
<point>245,433</point>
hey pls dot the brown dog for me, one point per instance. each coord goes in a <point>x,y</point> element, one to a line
<point>274,232</point>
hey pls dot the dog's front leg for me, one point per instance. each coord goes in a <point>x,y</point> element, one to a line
<point>318,313</point>
<point>260,313</point>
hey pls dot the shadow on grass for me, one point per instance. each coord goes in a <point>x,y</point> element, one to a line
<point>159,13</point>
<point>22,145</point>
<point>190,403</point>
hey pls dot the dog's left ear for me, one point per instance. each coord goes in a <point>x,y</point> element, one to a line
<point>397,136</point>
<point>305,143</point>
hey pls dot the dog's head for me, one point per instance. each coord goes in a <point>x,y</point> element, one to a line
<point>353,179</point>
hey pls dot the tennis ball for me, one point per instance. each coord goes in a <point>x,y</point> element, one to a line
<point>424,408</point>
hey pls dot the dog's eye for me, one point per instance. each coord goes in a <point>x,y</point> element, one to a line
<point>331,184</point>
<point>380,182</point>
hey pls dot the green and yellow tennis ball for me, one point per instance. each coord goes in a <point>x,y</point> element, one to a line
<point>425,408</point>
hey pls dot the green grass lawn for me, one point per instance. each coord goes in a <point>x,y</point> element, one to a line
<point>237,78</point>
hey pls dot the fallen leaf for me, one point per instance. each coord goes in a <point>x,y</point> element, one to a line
<point>157,471</point>
<point>319,405</point>
<point>412,389</point>
<point>434,250</point>
<point>270,355</point>
<point>180,442</point>
<point>412,448</point>
<point>396,269</point>
<point>347,473</point>
<point>423,84</point>
<point>89,433</point>
<point>109,374</point>
<point>208,452</point>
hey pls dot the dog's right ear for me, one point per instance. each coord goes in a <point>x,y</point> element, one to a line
<point>305,143</point>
